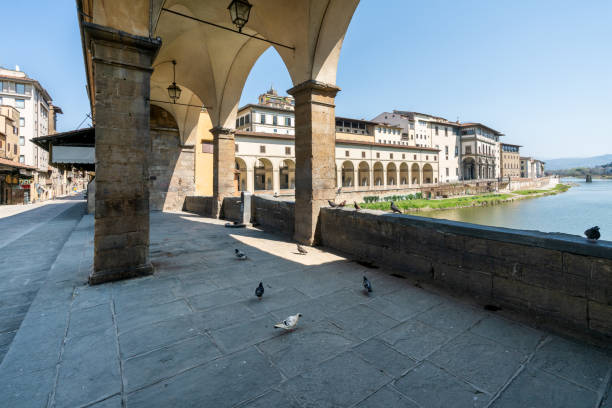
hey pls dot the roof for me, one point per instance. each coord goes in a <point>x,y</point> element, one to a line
<point>469,124</point>
<point>369,122</point>
<point>412,114</point>
<point>340,141</point>
<point>81,137</point>
<point>17,165</point>
<point>257,105</point>
<point>509,144</point>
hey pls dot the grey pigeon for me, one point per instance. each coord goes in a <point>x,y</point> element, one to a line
<point>366,284</point>
<point>289,323</point>
<point>357,207</point>
<point>331,203</point>
<point>241,256</point>
<point>301,250</point>
<point>592,234</point>
<point>259,291</point>
<point>394,208</point>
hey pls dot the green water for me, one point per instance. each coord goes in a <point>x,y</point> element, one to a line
<point>572,212</point>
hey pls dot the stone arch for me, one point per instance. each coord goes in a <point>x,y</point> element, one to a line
<point>348,174</point>
<point>379,174</point>
<point>287,174</point>
<point>263,174</point>
<point>404,175</point>
<point>364,174</point>
<point>469,168</point>
<point>391,174</point>
<point>415,174</point>
<point>171,164</point>
<point>428,174</point>
<point>241,169</point>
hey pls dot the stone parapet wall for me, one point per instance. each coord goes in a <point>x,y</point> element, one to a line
<point>560,280</point>
<point>231,209</point>
<point>273,214</point>
<point>527,183</point>
<point>200,205</point>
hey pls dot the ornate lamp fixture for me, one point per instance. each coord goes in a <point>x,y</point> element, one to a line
<point>174,91</point>
<point>239,12</point>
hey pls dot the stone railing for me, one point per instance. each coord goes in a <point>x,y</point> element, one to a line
<point>273,214</point>
<point>560,280</point>
<point>201,205</point>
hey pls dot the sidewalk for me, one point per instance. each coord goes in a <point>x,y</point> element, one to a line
<point>194,335</point>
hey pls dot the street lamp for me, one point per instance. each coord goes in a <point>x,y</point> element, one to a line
<point>174,92</point>
<point>239,12</point>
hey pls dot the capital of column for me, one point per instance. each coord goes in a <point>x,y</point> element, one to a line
<point>314,87</point>
<point>220,132</point>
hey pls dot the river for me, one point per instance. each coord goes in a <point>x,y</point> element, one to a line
<point>572,212</point>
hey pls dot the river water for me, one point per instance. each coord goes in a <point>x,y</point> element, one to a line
<point>572,212</point>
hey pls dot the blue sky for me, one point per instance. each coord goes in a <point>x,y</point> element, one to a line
<point>539,71</point>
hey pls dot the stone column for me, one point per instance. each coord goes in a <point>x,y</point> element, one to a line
<point>250,182</point>
<point>315,141</point>
<point>121,71</point>
<point>339,177</point>
<point>224,164</point>
<point>276,180</point>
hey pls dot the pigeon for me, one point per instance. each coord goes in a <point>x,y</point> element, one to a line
<point>275,194</point>
<point>357,207</point>
<point>339,190</point>
<point>331,203</point>
<point>259,291</point>
<point>342,204</point>
<point>366,284</point>
<point>240,255</point>
<point>289,323</point>
<point>592,234</point>
<point>394,208</point>
<point>301,250</point>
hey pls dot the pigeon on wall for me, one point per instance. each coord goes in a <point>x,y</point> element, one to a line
<point>240,255</point>
<point>592,234</point>
<point>331,203</point>
<point>357,207</point>
<point>259,291</point>
<point>301,250</point>
<point>342,204</point>
<point>289,323</point>
<point>394,208</point>
<point>367,285</point>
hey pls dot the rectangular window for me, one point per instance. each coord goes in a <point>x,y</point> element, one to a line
<point>456,151</point>
<point>377,155</point>
<point>403,155</point>
<point>22,159</point>
<point>468,149</point>
<point>415,157</point>
<point>4,86</point>
<point>426,157</point>
<point>20,88</point>
<point>287,121</point>
<point>447,172</point>
<point>20,103</point>
<point>21,122</point>
<point>247,118</point>
<point>262,149</point>
<point>242,121</point>
<point>363,155</point>
<point>237,123</point>
<point>391,155</point>
<point>446,150</point>
<point>445,131</point>
<point>21,141</point>
<point>14,149</point>
<point>235,148</point>
<point>262,119</point>
<point>346,153</point>
<point>436,131</point>
<point>288,151</point>
<point>275,120</point>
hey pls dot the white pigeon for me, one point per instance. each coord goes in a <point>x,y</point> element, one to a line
<point>289,323</point>
<point>240,255</point>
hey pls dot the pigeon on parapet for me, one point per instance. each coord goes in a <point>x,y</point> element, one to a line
<point>592,234</point>
<point>342,204</point>
<point>332,204</point>
<point>259,291</point>
<point>367,285</point>
<point>394,208</point>
<point>241,256</point>
<point>357,207</point>
<point>301,250</point>
<point>289,323</point>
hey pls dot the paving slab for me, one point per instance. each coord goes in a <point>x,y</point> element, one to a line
<point>272,399</point>
<point>339,382</point>
<point>243,335</point>
<point>415,339</point>
<point>385,358</point>
<point>406,303</point>
<point>387,397</point>
<point>508,333</point>
<point>452,316</point>
<point>539,389</point>
<point>362,321</point>
<point>432,387</point>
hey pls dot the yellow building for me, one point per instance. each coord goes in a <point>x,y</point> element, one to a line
<point>204,156</point>
<point>510,159</point>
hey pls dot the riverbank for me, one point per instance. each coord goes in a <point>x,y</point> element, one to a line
<point>480,200</point>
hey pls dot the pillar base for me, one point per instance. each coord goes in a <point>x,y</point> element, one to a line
<point>111,275</point>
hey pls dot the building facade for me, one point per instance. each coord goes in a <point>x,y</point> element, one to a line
<point>510,161</point>
<point>9,133</point>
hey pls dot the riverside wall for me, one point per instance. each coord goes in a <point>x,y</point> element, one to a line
<point>559,280</point>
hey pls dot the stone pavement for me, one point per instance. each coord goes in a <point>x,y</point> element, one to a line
<point>194,335</point>
<point>31,237</point>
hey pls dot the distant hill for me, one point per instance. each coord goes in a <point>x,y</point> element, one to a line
<point>573,162</point>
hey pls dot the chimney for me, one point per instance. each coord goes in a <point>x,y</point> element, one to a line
<point>17,68</point>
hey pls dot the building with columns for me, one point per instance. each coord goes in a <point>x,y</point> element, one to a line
<point>479,151</point>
